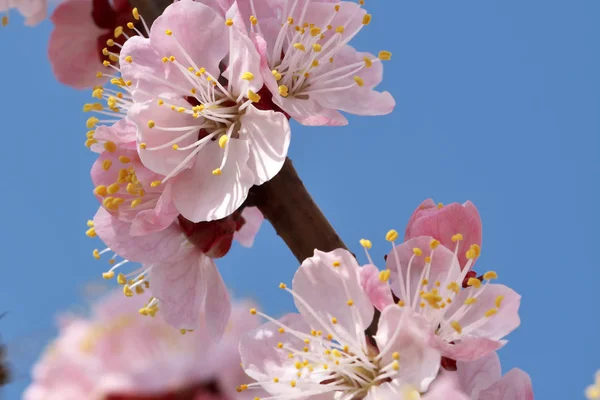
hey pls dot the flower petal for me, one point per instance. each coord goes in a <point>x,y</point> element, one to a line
<point>253,220</point>
<point>327,286</point>
<point>72,48</point>
<point>122,133</point>
<point>269,135</point>
<point>400,332</point>
<point>218,305</point>
<point>157,218</point>
<point>378,291</point>
<point>146,71</point>
<point>201,196</point>
<point>514,385</point>
<point>469,348</point>
<point>145,249</point>
<point>479,374</point>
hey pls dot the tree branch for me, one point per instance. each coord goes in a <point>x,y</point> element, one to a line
<point>287,205</point>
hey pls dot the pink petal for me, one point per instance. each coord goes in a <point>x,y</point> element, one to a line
<point>34,11</point>
<point>181,283</point>
<point>469,348</point>
<point>515,385</point>
<point>479,374</point>
<point>218,306</point>
<point>158,218</point>
<point>145,67</point>
<point>243,58</point>
<point>254,218</point>
<point>200,31</point>
<point>309,112</point>
<point>499,325</point>
<point>400,332</point>
<point>378,291</point>
<point>445,387</point>
<point>325,289</point>
<point>122,133</point>
<point>444,266</point>
<point>201,196</point>
<point>262,359</point>
<point>442,224</point>
<point>145,249</point>
<point>162,161</point>
<point>269,135</point>
<point>72,49</point>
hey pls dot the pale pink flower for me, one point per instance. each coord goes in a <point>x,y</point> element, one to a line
<point>442,222</point>
<point>34,11</point>
<point>114,354</point>
<point>592,392</point>
<point>78,42</point>
<point>199,124</point>
<point>482,380</point>
<point>308,66</point>
<point>464,323</point>
<point>324,350</point>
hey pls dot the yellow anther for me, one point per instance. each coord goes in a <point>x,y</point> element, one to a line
<point>118,31</point>
<point>91,122</point>
<point>339,29</point>
<point>130,25</point>
<point>359,81</point>
<point>474,282</point>
<point>457,237</point>
<point>366,243</point>
<point>331,59</point>
<point>276,75</point>
<point>384,275</point>
<point>89,223</point>
<point>473,252</point>
<point>350,303</point>
<point>470,300</point>
<point>427,260</point>
<point>281,330</point>
<point>155,183</point>
<point>384,55</point>
<point>135,14</point>
<point>456,327</point>
<point>290,20</point>
<point>168,32</point>
<point>253,20</point>
<point>395,365</point>
<point>434,244</point>
<point>229,22</point>
<point>499,301</point>
<point>401,303</point>
<point>172,58</point>
<point>299,46</point>
<point>253,311</point>
<point>368,62</point>
<point>124,159</point>
<point>336,353</point>
<point>298,365</point>
<point>282,285</point>
<point>454,287</point>
<point>276,380</point>
<point>391,236</point>
<point>108,275</point>
<point>143,146</point>
<point>106,63</point>
<point>114,188</point>
<point>135,203</point>
<point>424,282</point>
<point>248,76</point>
<point>4,20</point>
<point>306,75</point>
<point>97,93</point>
<point>315,31</point>
<point>106,165</point>
<point>151,124</point>
<point>100,190</point>
<point>217,172</point>
<point>223,141</point>
<point>417,252</point>
<point>164,59</point>
<point>317,47</point>
<point>255,98</point>
<point>110,147</point>
<point>96,254</point>
<point>181,109</point>
<point>395,355</point>
<point>283,91</point>
<point>121,279</point>
<point>139,289</point>
<point>329,336</point>
<point>110,42</point>
<point>334,320</point>
<point>366,19</point>
<point>280,345</point>
<point>490,312</point>
<point>337,7</point>
<point>105,51</point>
<point>293,383</point>
<point>127,291</point>
<point>490,275</point>
<point>129,59</point>
<point>315,63</point>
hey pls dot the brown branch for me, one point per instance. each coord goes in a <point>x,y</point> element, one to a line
<point>287,205</point>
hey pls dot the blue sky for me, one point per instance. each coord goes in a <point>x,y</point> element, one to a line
<point>497,102</point>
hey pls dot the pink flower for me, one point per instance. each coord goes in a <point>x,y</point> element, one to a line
<point>324,350</point>
<point>34,11</point>
<point>464,323</point>
<point>483,380</point>
<point>78,43</point>
<point>308,66</point>
<point>114,354</point>
<point>443,222</point>
<point>196,116</point>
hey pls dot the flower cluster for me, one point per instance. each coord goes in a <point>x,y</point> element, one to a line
<point>114,355</point>
<point>195,115</point>
<point>436,334</point>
